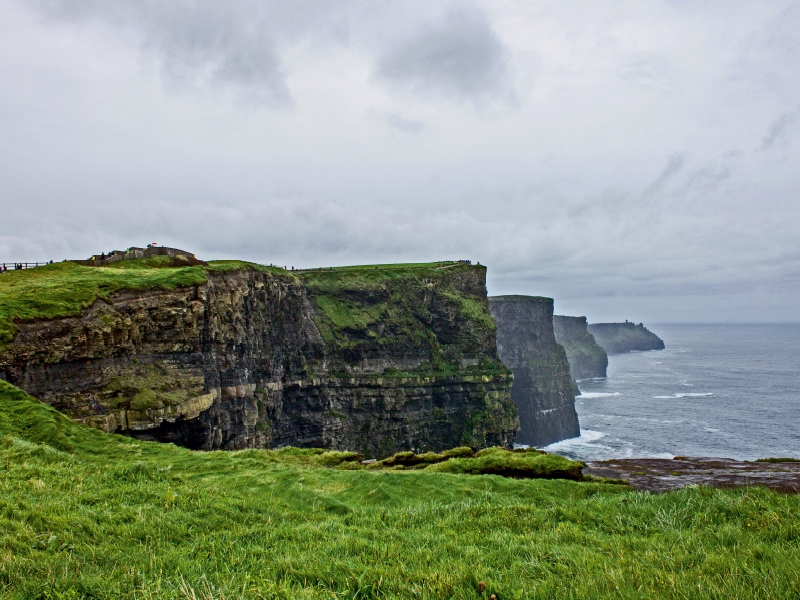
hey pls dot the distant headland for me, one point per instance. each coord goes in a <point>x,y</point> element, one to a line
<point>618,338</point>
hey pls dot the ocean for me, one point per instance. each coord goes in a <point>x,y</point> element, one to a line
<point>716,390</point>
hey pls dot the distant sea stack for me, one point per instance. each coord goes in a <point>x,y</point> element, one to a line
<point>586,358</point>
<point>617,338</point>
<point>542,389</point>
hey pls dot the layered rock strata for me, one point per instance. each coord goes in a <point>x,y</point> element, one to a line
<point>543,388</point>
<point>618,338</point>
<point>370,361</point>
<point>586,358</point>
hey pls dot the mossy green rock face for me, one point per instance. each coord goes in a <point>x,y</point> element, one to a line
<point>586,358</point>
<point>618,338</point>
<point>370,359</point>
<point>543,388</point>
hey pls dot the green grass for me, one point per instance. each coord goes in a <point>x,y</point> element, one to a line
<point>221,266</point>
<point>386,306</point>
<point>472,310</point>
<point>89,515</point>
<point>525,463</point>
<point>64,289</point>
<point>498,461</point>
<point>402,266</point>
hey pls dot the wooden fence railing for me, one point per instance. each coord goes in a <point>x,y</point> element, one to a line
<point>15,266</point>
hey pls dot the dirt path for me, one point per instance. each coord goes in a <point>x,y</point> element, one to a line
<point>663,475</point>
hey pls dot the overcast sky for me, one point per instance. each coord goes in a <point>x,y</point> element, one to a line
<point>631,159</point>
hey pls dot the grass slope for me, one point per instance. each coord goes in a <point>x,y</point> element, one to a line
<point>89,515</point>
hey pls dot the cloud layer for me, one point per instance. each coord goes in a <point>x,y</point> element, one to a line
<point>633,162</point>
<point>460,56</point>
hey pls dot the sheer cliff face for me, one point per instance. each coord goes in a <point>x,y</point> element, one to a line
<point>617,338</point>
<point>586,358</point>
<point>257,359</point>
<point>543,388</point>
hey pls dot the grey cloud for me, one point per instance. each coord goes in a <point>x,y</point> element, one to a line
<point>705,179</point>
<point>674,164</point>
<point>578,194</point>
<point>780,35</point>
<point>460,56</point>
<point>405,125</point>
<point>199,44</point>
<point>779,131</point>
<point>649,72</point>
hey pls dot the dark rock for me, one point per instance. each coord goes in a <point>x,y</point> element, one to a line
<point>664,475</point>
<point>543,388</point>
<point>617,338</point>
<point>586,358</point>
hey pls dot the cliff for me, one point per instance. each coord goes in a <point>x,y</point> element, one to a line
<point>586,358</point>
<point>617,338</point>
<point>543,388</point>
<point>233,355</point>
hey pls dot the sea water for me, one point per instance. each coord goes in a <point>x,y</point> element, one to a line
<point>716,390</point>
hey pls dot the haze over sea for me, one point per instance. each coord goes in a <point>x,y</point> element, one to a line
<point>716,390</point>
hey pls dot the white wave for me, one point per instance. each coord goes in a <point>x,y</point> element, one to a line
<point>685,395</point>
<point>598,394</point>
<point>587,437</point>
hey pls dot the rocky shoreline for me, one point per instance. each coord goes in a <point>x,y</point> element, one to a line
<point>665,475</point>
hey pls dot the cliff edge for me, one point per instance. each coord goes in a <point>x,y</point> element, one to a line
<point>586,358</point>
<point>543,388</point>
<point>617,338</point>
<point>233,355</point>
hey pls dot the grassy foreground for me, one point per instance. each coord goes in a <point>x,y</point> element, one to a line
<point>89,515</point>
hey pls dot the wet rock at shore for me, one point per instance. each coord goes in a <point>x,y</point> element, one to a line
<point>664,475</point>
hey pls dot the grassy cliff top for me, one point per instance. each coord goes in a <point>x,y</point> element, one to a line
<point>425,265</point>
<point>616,338</point>
<point>434,309</point>
<point>520,298</point>
<point>64,289</point>
<point>371,277</point>
<point>85,514</point>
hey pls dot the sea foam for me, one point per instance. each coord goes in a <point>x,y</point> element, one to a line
<point>685,395</point>
<point>587,436</point>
